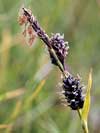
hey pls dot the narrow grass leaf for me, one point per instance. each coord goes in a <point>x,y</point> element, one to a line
<point>36,92</point>
<point>86,107</point>
<point>3,126</point>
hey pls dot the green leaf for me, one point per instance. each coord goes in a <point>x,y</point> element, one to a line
<point>86,106</point>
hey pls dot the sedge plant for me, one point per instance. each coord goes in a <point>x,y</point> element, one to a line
<point>58,50</point>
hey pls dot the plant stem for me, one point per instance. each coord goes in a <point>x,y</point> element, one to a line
<point>84,123</point>
<point>58,62</point>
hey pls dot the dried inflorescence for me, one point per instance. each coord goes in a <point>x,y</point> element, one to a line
<point>28,30</point>
<point>73,92</point>
<point>36,27</point>
<point>60,47</point>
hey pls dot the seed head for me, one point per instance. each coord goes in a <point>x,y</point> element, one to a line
<point>60,46</point>
<point>73,92</point>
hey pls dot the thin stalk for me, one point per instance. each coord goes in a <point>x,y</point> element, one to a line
<point>84,123</point>
<point>58,62</point>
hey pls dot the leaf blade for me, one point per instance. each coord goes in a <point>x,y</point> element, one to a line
<point>86,107</point>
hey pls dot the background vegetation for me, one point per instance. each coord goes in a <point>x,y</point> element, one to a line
<point>24,69</point>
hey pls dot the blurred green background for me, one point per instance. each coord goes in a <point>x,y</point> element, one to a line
<point>24,69</point>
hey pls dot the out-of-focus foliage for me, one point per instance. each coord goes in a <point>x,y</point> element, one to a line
<point>22,68</point>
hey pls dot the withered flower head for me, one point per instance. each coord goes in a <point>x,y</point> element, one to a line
<point>22,19</point>
<point>28,32</point>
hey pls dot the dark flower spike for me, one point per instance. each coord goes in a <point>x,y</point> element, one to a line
<point>60,46</point>
<point>35,25</point>
<point>56,42</point>
<point>73,92</point>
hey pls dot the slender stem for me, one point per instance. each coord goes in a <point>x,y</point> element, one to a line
<point>84,123</point>
<point>58,62</point>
